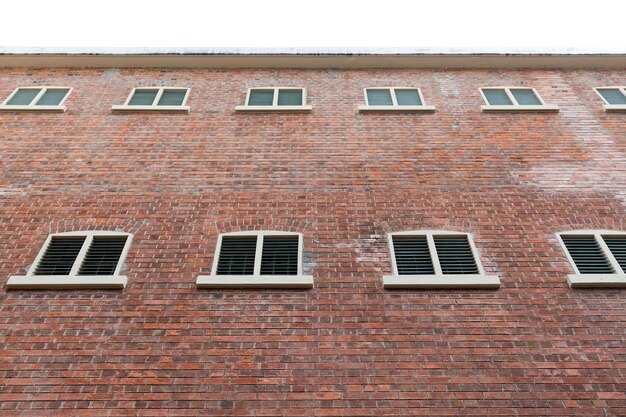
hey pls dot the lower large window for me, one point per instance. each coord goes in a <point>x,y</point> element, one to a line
<point>78,260</point>
<point>597,257</point>
<point>440,259</point>
<point>257,259</point>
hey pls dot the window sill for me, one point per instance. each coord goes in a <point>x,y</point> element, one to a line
<point>548,108</point>
<point>131,109</point>
<point>597,281</point>
<point>36,282</point>
<point>48,109</point>
<point>614,108</point>
<point>254,281</point>
<point>400,109</point>
<point>441,281</point>
<point>280,109</point>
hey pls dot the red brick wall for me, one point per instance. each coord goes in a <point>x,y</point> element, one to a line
<point>347,347</point>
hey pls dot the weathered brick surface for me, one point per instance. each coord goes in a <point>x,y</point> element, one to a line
<point>347,347</point>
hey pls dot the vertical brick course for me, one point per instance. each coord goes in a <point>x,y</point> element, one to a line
<point>347,347</point>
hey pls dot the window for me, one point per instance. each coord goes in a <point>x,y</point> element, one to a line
<point>156,99</point>
<point>275,99</point>
<point>78,260</point>
<point>394,99</point>
<point>257,259</point>
<point>514,99</point>
<point>49,99</point>
<point>436,260</point>
<point>598,258</point>
<point>614,98</point>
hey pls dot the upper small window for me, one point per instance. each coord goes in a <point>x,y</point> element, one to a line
<point>599,258</point>
<point>394,99</point>
<point>76,260</point>
<point>614,98</point>
<point>37,99</point>
<point>156,99</point>
<point>436,259</point>
<point>275,99</point>
<point>257,259</point>
<point>514,99</point>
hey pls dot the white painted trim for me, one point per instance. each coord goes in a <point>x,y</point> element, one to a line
<point>254,281</point>
<point>516,107</point>
<point>126,107</point>
<point>285,109</point>
<point>546,108</point>
<point>275,107</point>
<point>597,280</point>
<point>608,107</point>
<point>60,108</point>
<point>598,235</point>
<point>130,109</point>
<point>441,281</point>
<point>74,280</point>
<point>395,107</point>
<point>34,282</point>
<point>398,109</point>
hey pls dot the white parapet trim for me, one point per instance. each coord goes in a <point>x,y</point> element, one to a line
<point>254,281</point>
<point>441,281</point>
<point>36,282</point>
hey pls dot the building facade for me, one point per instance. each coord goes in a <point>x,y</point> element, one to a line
<point>455,253</point>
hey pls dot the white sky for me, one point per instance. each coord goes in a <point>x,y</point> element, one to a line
<point>314,23</point>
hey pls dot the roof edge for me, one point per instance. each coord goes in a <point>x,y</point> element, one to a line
<point>313,57</point>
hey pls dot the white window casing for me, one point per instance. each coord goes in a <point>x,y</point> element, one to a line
<point>616,279</point>
<point>154,107</point>
<point>255,280</point>
<point>59,108</point>
<point>608,107</point>
<point>438,280</point>
<point>395,107</point>
<point>515,106</point>
<point>275,107</point>
<point>73,280</point>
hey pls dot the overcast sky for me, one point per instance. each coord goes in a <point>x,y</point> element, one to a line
<point>314,23</point>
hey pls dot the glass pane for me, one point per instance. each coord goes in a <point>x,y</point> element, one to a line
<point>497,97</point>
<point>525,97</point>
<point>172,98</point>
<point>143,98</point>
<point>24,96</point>
<point>52,97</point>
<point>612,95</point>
<point>408,98</point>
<point>290,98</point>
<point>261,98</point>
<point>379,98</point>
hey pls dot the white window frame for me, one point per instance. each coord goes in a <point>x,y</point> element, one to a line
<point>616,279</point>
<point>439,279</point>
<point>608,107</point>
<point>73,280</point>
<point>275,107</point>
<point>256,280</point>
<point>543,107</point>
<point>154,107</point>
<point>395,107</point>
<point>59,108</point>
